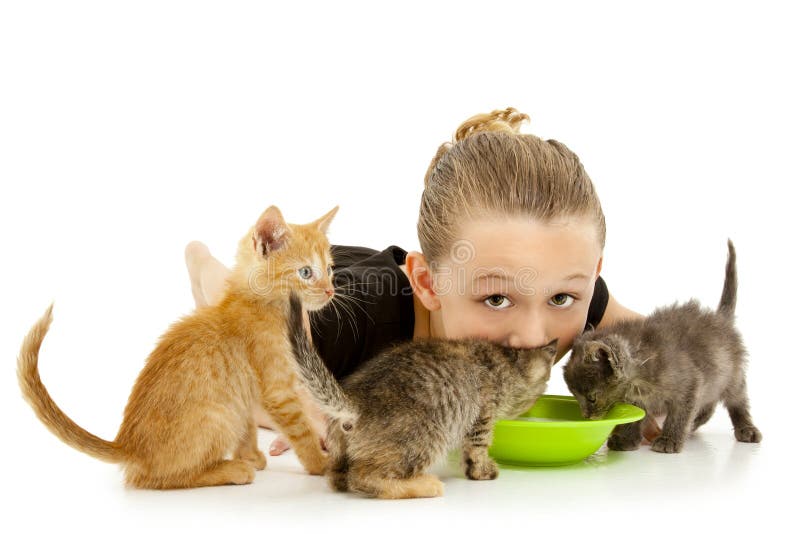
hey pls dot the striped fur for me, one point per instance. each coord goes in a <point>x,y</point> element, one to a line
<point>189,418</point>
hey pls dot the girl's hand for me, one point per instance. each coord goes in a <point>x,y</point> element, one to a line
<point>318,422</point>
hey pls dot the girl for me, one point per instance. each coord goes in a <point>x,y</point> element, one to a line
<point>512,236</point>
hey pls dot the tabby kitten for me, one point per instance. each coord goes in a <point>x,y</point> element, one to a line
<point>681,360</point>
<point>408,406</point>
<point>191,407</point>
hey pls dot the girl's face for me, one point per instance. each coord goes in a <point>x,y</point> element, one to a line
<point>519,282</point>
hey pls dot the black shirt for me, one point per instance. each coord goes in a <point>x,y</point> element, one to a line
<point>374,307</point>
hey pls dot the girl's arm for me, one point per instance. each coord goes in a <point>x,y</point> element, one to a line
<point>616,312</point>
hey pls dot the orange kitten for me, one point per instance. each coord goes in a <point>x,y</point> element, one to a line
<point>192,406</point>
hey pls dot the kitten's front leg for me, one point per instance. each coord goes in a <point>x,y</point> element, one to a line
<point>625,437</point>
<point>283,403</point>
<point>477,464</point>
<point>248,448</point>
<point>628,437</point>
<point>676,426</point>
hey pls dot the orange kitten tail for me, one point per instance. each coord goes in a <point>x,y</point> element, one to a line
<point>51,415</point>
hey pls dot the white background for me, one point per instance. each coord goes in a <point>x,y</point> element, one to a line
<point>129,129</point>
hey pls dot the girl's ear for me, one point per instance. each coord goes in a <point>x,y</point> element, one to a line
<point>421,278</point>
<point>323,222</point>
<point>270,232</point>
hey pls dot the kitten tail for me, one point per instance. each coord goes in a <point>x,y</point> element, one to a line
<point>319,380</point>
<point>46,410</point>
<point>727,302</point>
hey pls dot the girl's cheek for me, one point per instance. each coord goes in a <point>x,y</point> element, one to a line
<point>467,323</point>
<point>566,335</point>
<point>480,327</point>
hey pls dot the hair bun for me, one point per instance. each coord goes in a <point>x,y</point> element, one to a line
<point>501,120</point>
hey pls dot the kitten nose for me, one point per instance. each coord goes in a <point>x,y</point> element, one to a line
<point>329,292</point>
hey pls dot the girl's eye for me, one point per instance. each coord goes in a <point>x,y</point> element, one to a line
<point>562,300</point>
<point>496,301</point>
<point>592,397</point>
<point>305,272</point>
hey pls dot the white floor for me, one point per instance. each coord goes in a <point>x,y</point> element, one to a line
<point>715,481</point>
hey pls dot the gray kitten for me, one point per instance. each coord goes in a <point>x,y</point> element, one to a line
<point>681,360</point>
<point>404,409</point>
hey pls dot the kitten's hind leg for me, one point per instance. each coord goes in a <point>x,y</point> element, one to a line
<point>248,448</point>
<point>476,461</point>
<point>374,485</point>
<point>338,461</point>
<point>225,472</point>
<point>410,488</point>
<point>736,401</point>
<point>703,415</point>
<point>337,473</point>
<point>284,405</point>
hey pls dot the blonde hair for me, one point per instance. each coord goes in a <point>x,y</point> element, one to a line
<point>491,169</point>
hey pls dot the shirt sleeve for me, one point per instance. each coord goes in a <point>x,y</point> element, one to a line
<point>597,307</point>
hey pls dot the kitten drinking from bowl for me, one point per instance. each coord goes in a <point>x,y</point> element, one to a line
<point>681,360</point>
<point>403,410</point>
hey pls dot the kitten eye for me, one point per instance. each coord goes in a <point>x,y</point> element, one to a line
<point>592,397</point>
<point>562,300</point>
<point>305,272</point>
<point>496,301</point>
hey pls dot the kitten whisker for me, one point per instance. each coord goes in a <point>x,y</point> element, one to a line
<point>354,300</point>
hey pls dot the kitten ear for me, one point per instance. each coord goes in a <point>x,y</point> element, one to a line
<point>551,349</point>
<point>323,222</point>
<point>599,351</point>
<point>270,232</point>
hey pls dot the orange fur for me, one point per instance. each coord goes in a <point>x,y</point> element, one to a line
<point>189,419</point>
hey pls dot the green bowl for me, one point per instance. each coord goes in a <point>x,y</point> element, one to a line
<point>565,438</point>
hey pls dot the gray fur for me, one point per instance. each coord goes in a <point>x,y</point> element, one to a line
<point>311,368</point>
<point>681,360</point>
<point>415,401</point>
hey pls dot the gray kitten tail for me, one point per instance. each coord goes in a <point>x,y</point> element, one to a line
<point>320,381</point>
<point>727,302</point>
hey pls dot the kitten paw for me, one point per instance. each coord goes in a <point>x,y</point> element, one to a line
<point>259,461</point>
<point>667,445</point>
<point>619,443</point>
<point>255,458</point>
<point>316,466</point>
<point>748,434</point>
<point>241,473</point>
<point>482,470</point>
<point>429,486</point>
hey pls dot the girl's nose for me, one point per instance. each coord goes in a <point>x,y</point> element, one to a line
<point>529,336</point>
